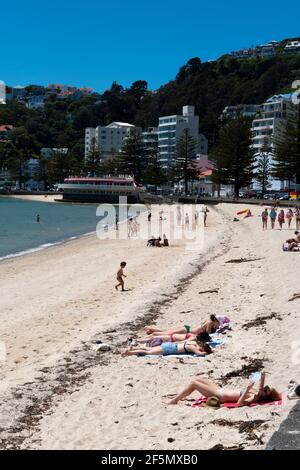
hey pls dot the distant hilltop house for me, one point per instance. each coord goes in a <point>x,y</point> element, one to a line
<point>292,47</point>
<point>265,50</point>
<point>5,130</point>
<point>66,91</point>
<point>270,49</point>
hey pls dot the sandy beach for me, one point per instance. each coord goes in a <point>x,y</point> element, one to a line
<point>39,197</point>
<point>58,393</point>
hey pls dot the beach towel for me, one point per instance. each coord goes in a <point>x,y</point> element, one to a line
<point>172,355</point>
<point>198,403</point>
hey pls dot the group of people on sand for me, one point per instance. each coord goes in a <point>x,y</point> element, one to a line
<point>158,242</point>
<point>194,340</point>
<point>185,220</point>
<point>292,244</point>
<point>182,340</point>
<point>280,216</point>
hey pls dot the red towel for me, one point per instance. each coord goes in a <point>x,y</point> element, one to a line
<point>202,399</point>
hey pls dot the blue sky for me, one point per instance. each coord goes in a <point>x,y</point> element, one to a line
<point>95,42</point>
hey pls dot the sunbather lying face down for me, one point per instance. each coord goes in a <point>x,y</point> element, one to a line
<point>209,326</point>
<point>166,349</point>
<point>173,338</point>
<point>253,393</point>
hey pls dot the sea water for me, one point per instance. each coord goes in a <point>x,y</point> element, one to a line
<point>20,232</point>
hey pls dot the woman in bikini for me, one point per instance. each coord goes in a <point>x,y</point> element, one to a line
<point>289,217</point>
<point>166,349</point>
<point>253,393</point>
<point>157,339</point>
<point>281,218</point>
<point>264,218</point>
<point>209,326</point>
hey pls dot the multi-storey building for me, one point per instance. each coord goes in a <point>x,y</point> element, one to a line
<point>150,137</point>
<point>269,126</point>
<point>171,128</point>
<point>107,139</point>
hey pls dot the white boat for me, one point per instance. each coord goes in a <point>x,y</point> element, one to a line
<point>101,189</point>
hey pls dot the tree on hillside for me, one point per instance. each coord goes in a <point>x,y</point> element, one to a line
<point>182,165</point>
<point>154,173</point>
<point>233,156</point>
<point>20,148</point>
<point>287,152</point>
<point>263,167</point>
<point>132,158</point>
<point>60,166</point>
<point>94,159</point>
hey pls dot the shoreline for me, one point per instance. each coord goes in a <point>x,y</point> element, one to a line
<point>76,396</point>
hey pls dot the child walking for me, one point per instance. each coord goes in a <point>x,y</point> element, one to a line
<point>120,275</point>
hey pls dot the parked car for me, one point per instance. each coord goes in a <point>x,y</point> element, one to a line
<point>285,197</point>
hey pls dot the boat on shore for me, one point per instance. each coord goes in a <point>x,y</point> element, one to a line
<point>104,189</point>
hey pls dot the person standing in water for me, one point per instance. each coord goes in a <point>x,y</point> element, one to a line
<point>38,218</point>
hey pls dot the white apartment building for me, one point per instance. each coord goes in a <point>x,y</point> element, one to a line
<point>269,126</point>
<point>150,137</point>
<point>171,128</point>
<point>108,139</point>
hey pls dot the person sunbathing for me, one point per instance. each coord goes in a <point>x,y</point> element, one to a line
<point>254,392</point>
<point>166,349</point>
<point>209,326</point>
<point>156,339</point>
<point>293,243</point>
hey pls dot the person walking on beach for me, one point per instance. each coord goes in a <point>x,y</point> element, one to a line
<point>289,217</point>
<point>120,275</point>
<point>179,215</point>
<point>187,221</point>
<point>281,218</point>
<point>130,227</point>
<point>205,215</point>
<point>149,216</point>
<point>273,216</point>
<point>264,218</point>
<point>196,217</point>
